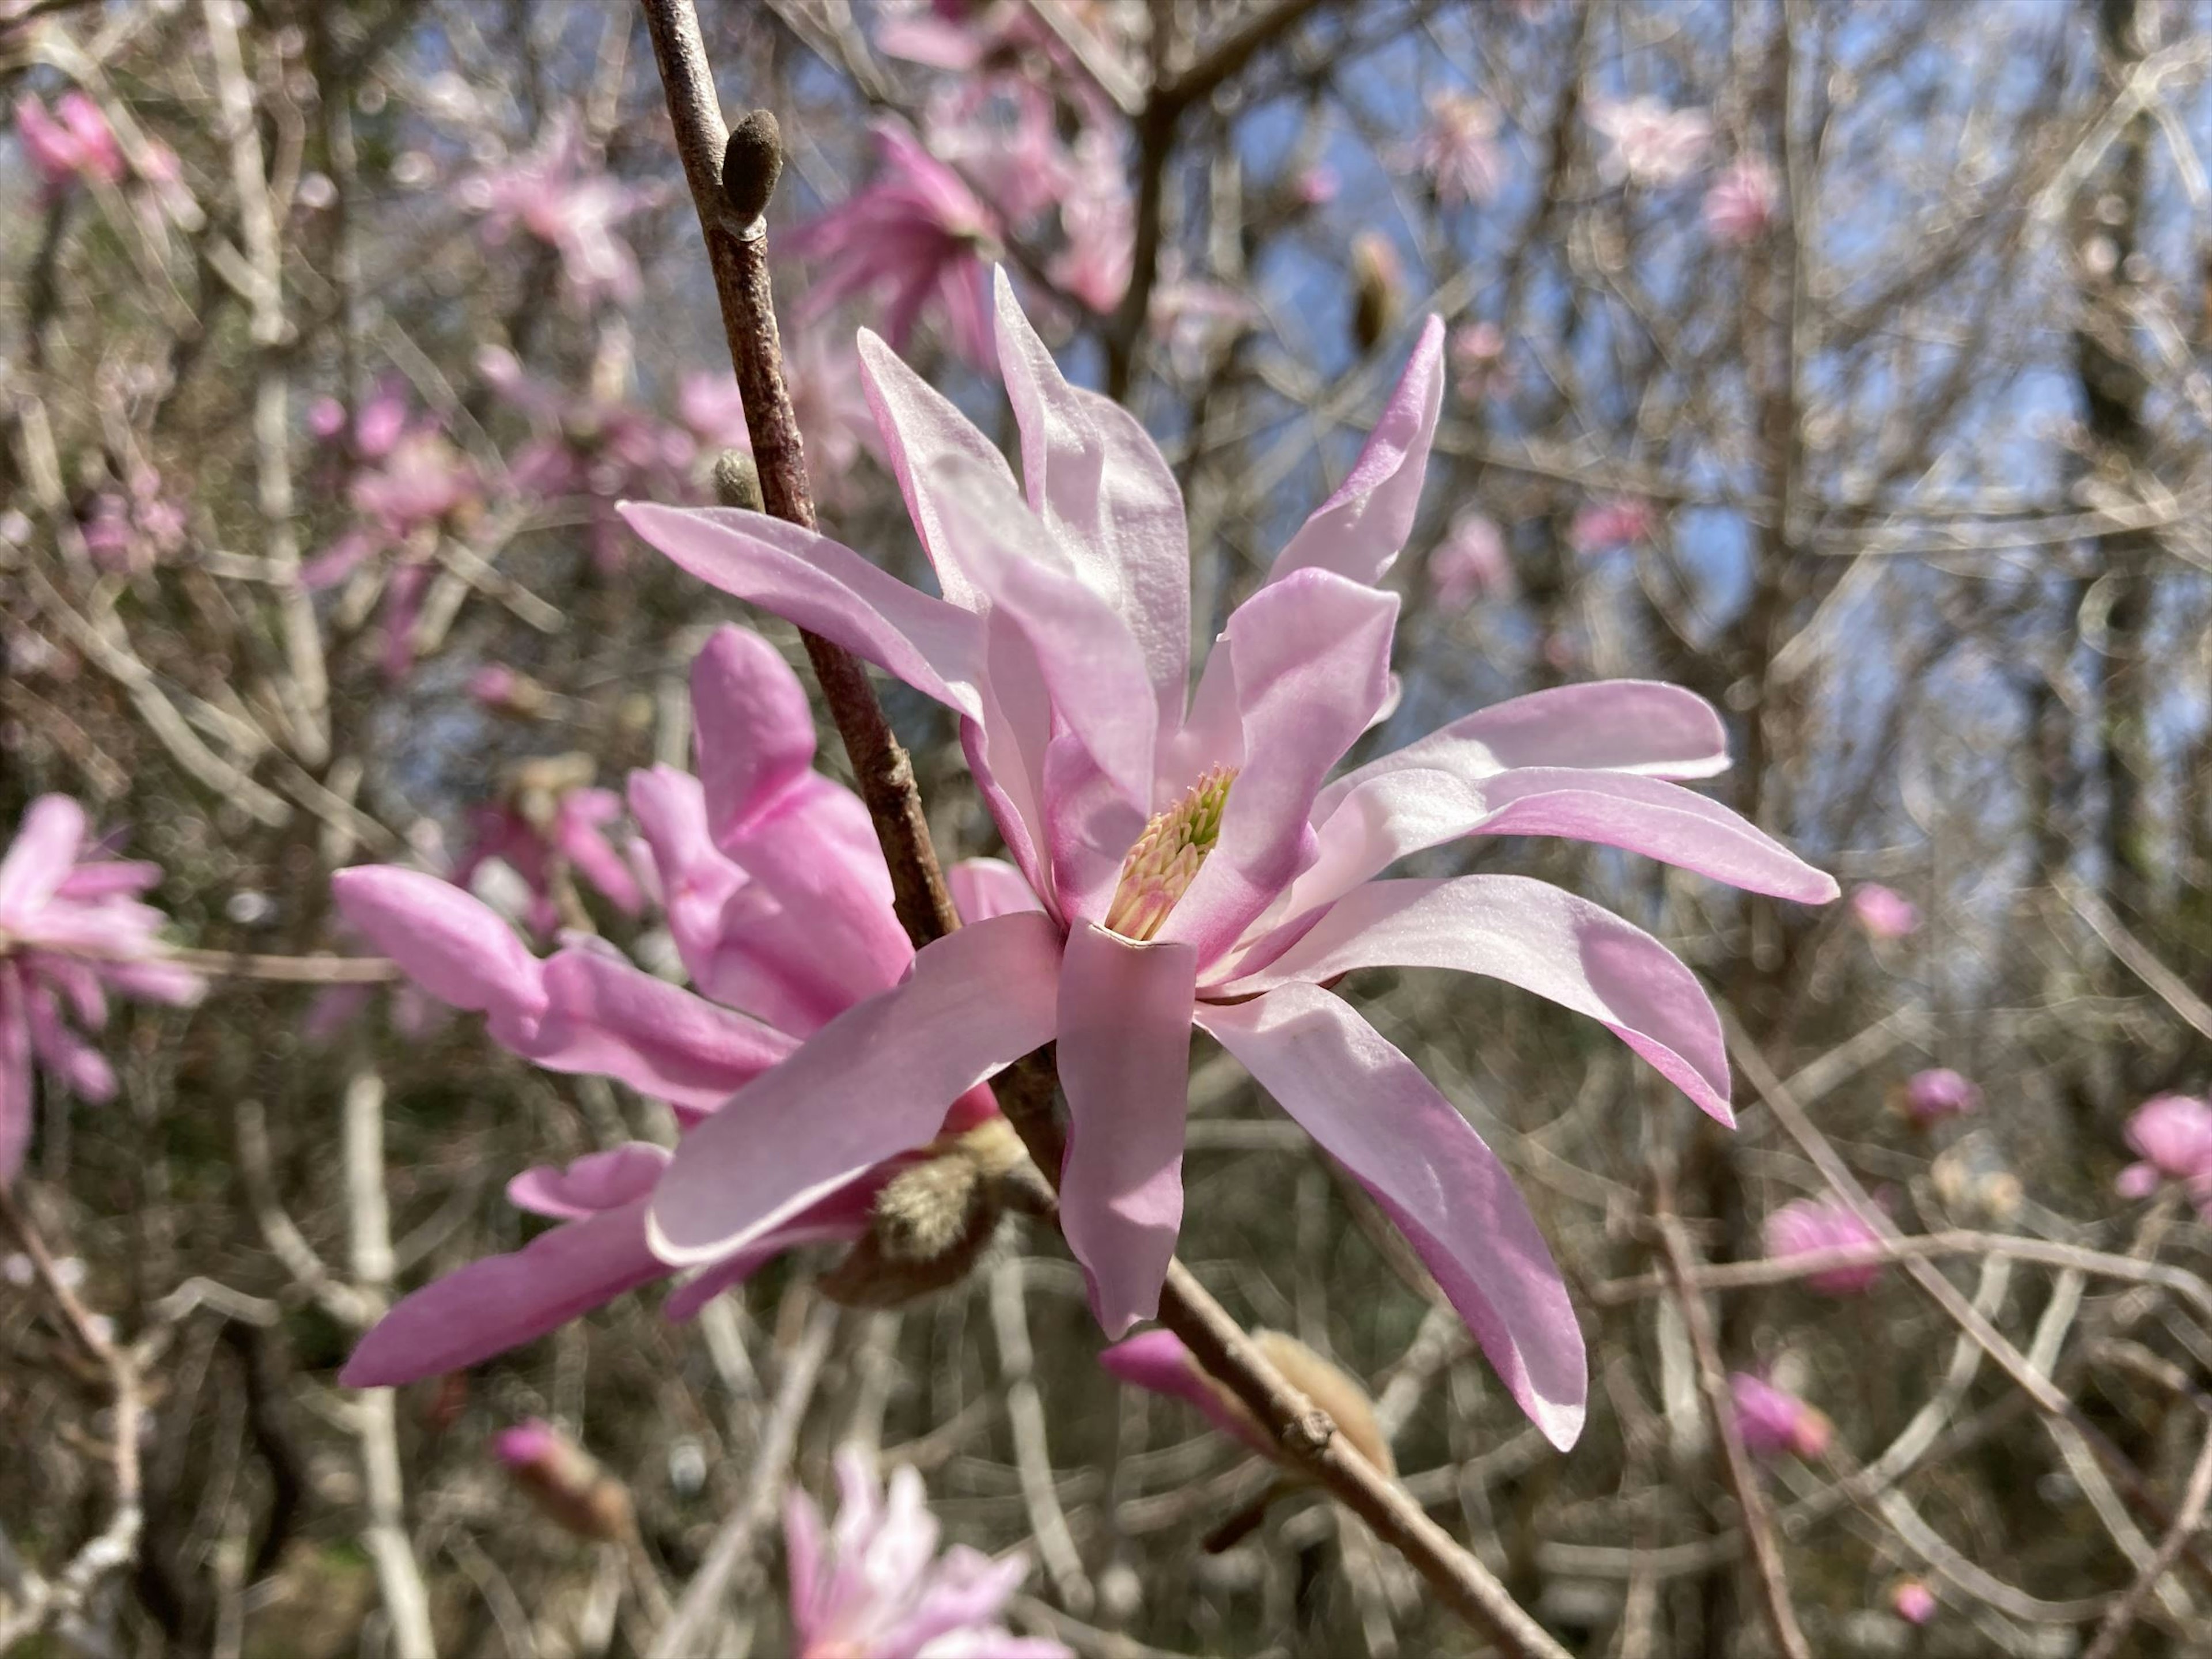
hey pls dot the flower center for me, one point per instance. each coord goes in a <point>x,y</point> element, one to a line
<point>1161,865</point>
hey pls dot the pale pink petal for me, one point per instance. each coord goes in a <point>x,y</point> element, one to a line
<point>81,1068</point>
<point>755,731</point>
<point>1531,934</point>
<point>1359,531</point>
<point>816,584</point>
<point>1312,664</point>
<point>1372,1110</point>
<point>1124,1013</point>
<point>983,888</point>
<point>874,1082</point>
<point>963,1591</point>
<point>1609,725</point>
<point>596,1182</point>
<point>453,945</point>
<point>839,1218</point>
<point>1100,484</point>
<point>505,1301</point>
<point>592,856</point>
<point>1157,1361</point>
<point>38,859</point>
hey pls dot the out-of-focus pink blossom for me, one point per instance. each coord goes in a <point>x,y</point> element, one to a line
<point>2172,1135</point>
<point>134,529</point>
<point>1099,216</point>
<point>1938,1093</point>
<point>1477,352</point>
<point>1651,144</point>
<point>562,193</point>
<point>1913,1601</point>
<point>1807,1225</point>
<point>1884,912</point>
<point>78,146</point>
<point>998,133</point>
<point>1195,319</point>
<point>1773,1421</point>
<point>72,929</point>
<point>1457,148</point>
<point>1187,861</point>
<point>547,829</point>
<point>1471,563</point>
<point>874,1586</point>
<point>1316,187</point>
<point>824,383</point>
<point>1616,521</point>
<point>915,229</point>
<point>1741,204</point>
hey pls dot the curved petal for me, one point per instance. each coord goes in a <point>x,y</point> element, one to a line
<point>755,733</point>
<point>505,1301</point>
<point>983,888</point>
<point>604,1016</point>
<point>819,585</point>
<point>1099,483</point>
<point>1358,532</point>
<point>451,944</point>
<point>1607,726</point>
<point>40,858</point>
<point>596,1182</point>
<point>873,1082</point>
<point>1157,1362</point>
<point>1125,1013</point>
<point>838,1218</point>
<point>1395,813</point>
<point>1313,663</point>
<point>1528,933</point>
<point>1372,1110</point>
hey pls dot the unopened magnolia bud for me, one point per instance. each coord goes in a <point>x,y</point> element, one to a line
<point>1333,1388</point>
<point>564,1480</point>
<point>752,163</point>
<point>737,480</point>
<point>509,691</point>
<point>933,1221</point>
<point>1378,289</point>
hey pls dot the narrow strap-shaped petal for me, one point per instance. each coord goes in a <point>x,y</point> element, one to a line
<point>1102,487</point>
<point>505,1301</point>
<point>1609,725</point>
<point>1125,1013</point>
<point>595,1181</point>
<point>983,888</point>
<point>451,944</point>
<point>754,732</point>
<point>1372,1110</point>
<point>68,1058</point>
<point>17,1091</point>
<point>604,1016</point>
<point>1358,532</point>
<point>698,882</point>
<point>1531,934</point>
<point>1313,664</point>
<point>841,1217</point>
<point>873,1082</point>
<point>1395,813</point>
<point>820,585</point>
<point>1157,1361</point>
<point>40,858</point>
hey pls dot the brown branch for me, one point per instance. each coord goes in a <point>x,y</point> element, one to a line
<point>2114,1629</point>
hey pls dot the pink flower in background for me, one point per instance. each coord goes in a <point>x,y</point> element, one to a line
<point>1099,217</point>
<point>1476,351</point>
<point>1807,1225</point>
<point>549,830</point>
<point>1651,144</point>
<point>780,906</point>
<point>1194,319</point>
<point>1186,861</point>
<point>998,133</point>
<point>561,194</point>
<point>77,146</point>
<point>1773,1421</point>
<point>1457,150</point>
<point>1741,204</point>
<point>135,529</point>
<point>1884,912</point>
<point>72,929</point>
<point>1615,521</point>
<point>916,230</point>
<point>1471,563</point>
<point>2171,1134</point>
<point>823,380</point>
<point>1940,1093</point>
<point>1316,187</point>
<point>874,1586</point>
<point>1913,1601</point>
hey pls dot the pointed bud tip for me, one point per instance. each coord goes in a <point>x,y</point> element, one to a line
<point>751,164</point>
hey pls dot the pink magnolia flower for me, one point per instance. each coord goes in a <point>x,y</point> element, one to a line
<point>545,830</point>
<point>1099,216</point>
<point>824,382</point>
<point>2171,1134</point>
<point>1913,1601</point>
<point>917,229</point>
<point>72,929</point>
<point>1741,204</point>
<point>1615,521</point>
<point>1478,360</point>
<point>873,1586</point>
<point>1470,562</point>
<point>780,906</point>
<point>1651,144</point>
<point>79,146</point>
<point>134,529</point>
<point>1884,912</point>
<point>1773,1421</point>
<point>1188,864</point>
<point>1940,1092</point>
<point>561,194</point>
<point>1807,1225</point>
<point>1457,150</point>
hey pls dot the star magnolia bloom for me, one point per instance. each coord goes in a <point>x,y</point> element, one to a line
<point>71,930</point>
<point>1617,521</point>
<point>873,1586</point>
<point>1741,204</point>
<point>79,145</point>
<point>1470,562</point>
<point>1458,149</point>
<point>1806,1224</point>
<point>1652,144</point>
<point>2173,1136</point>
<point>1940,1092</point>
<point>561,194</point>
<point>1773,1421</point>
<point>1913,1601</point>
<point>779,904</point>
<point>1884,912</point>
<point>1189,862</point>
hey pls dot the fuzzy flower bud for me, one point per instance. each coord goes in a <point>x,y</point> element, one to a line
<point>564,1480</point>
